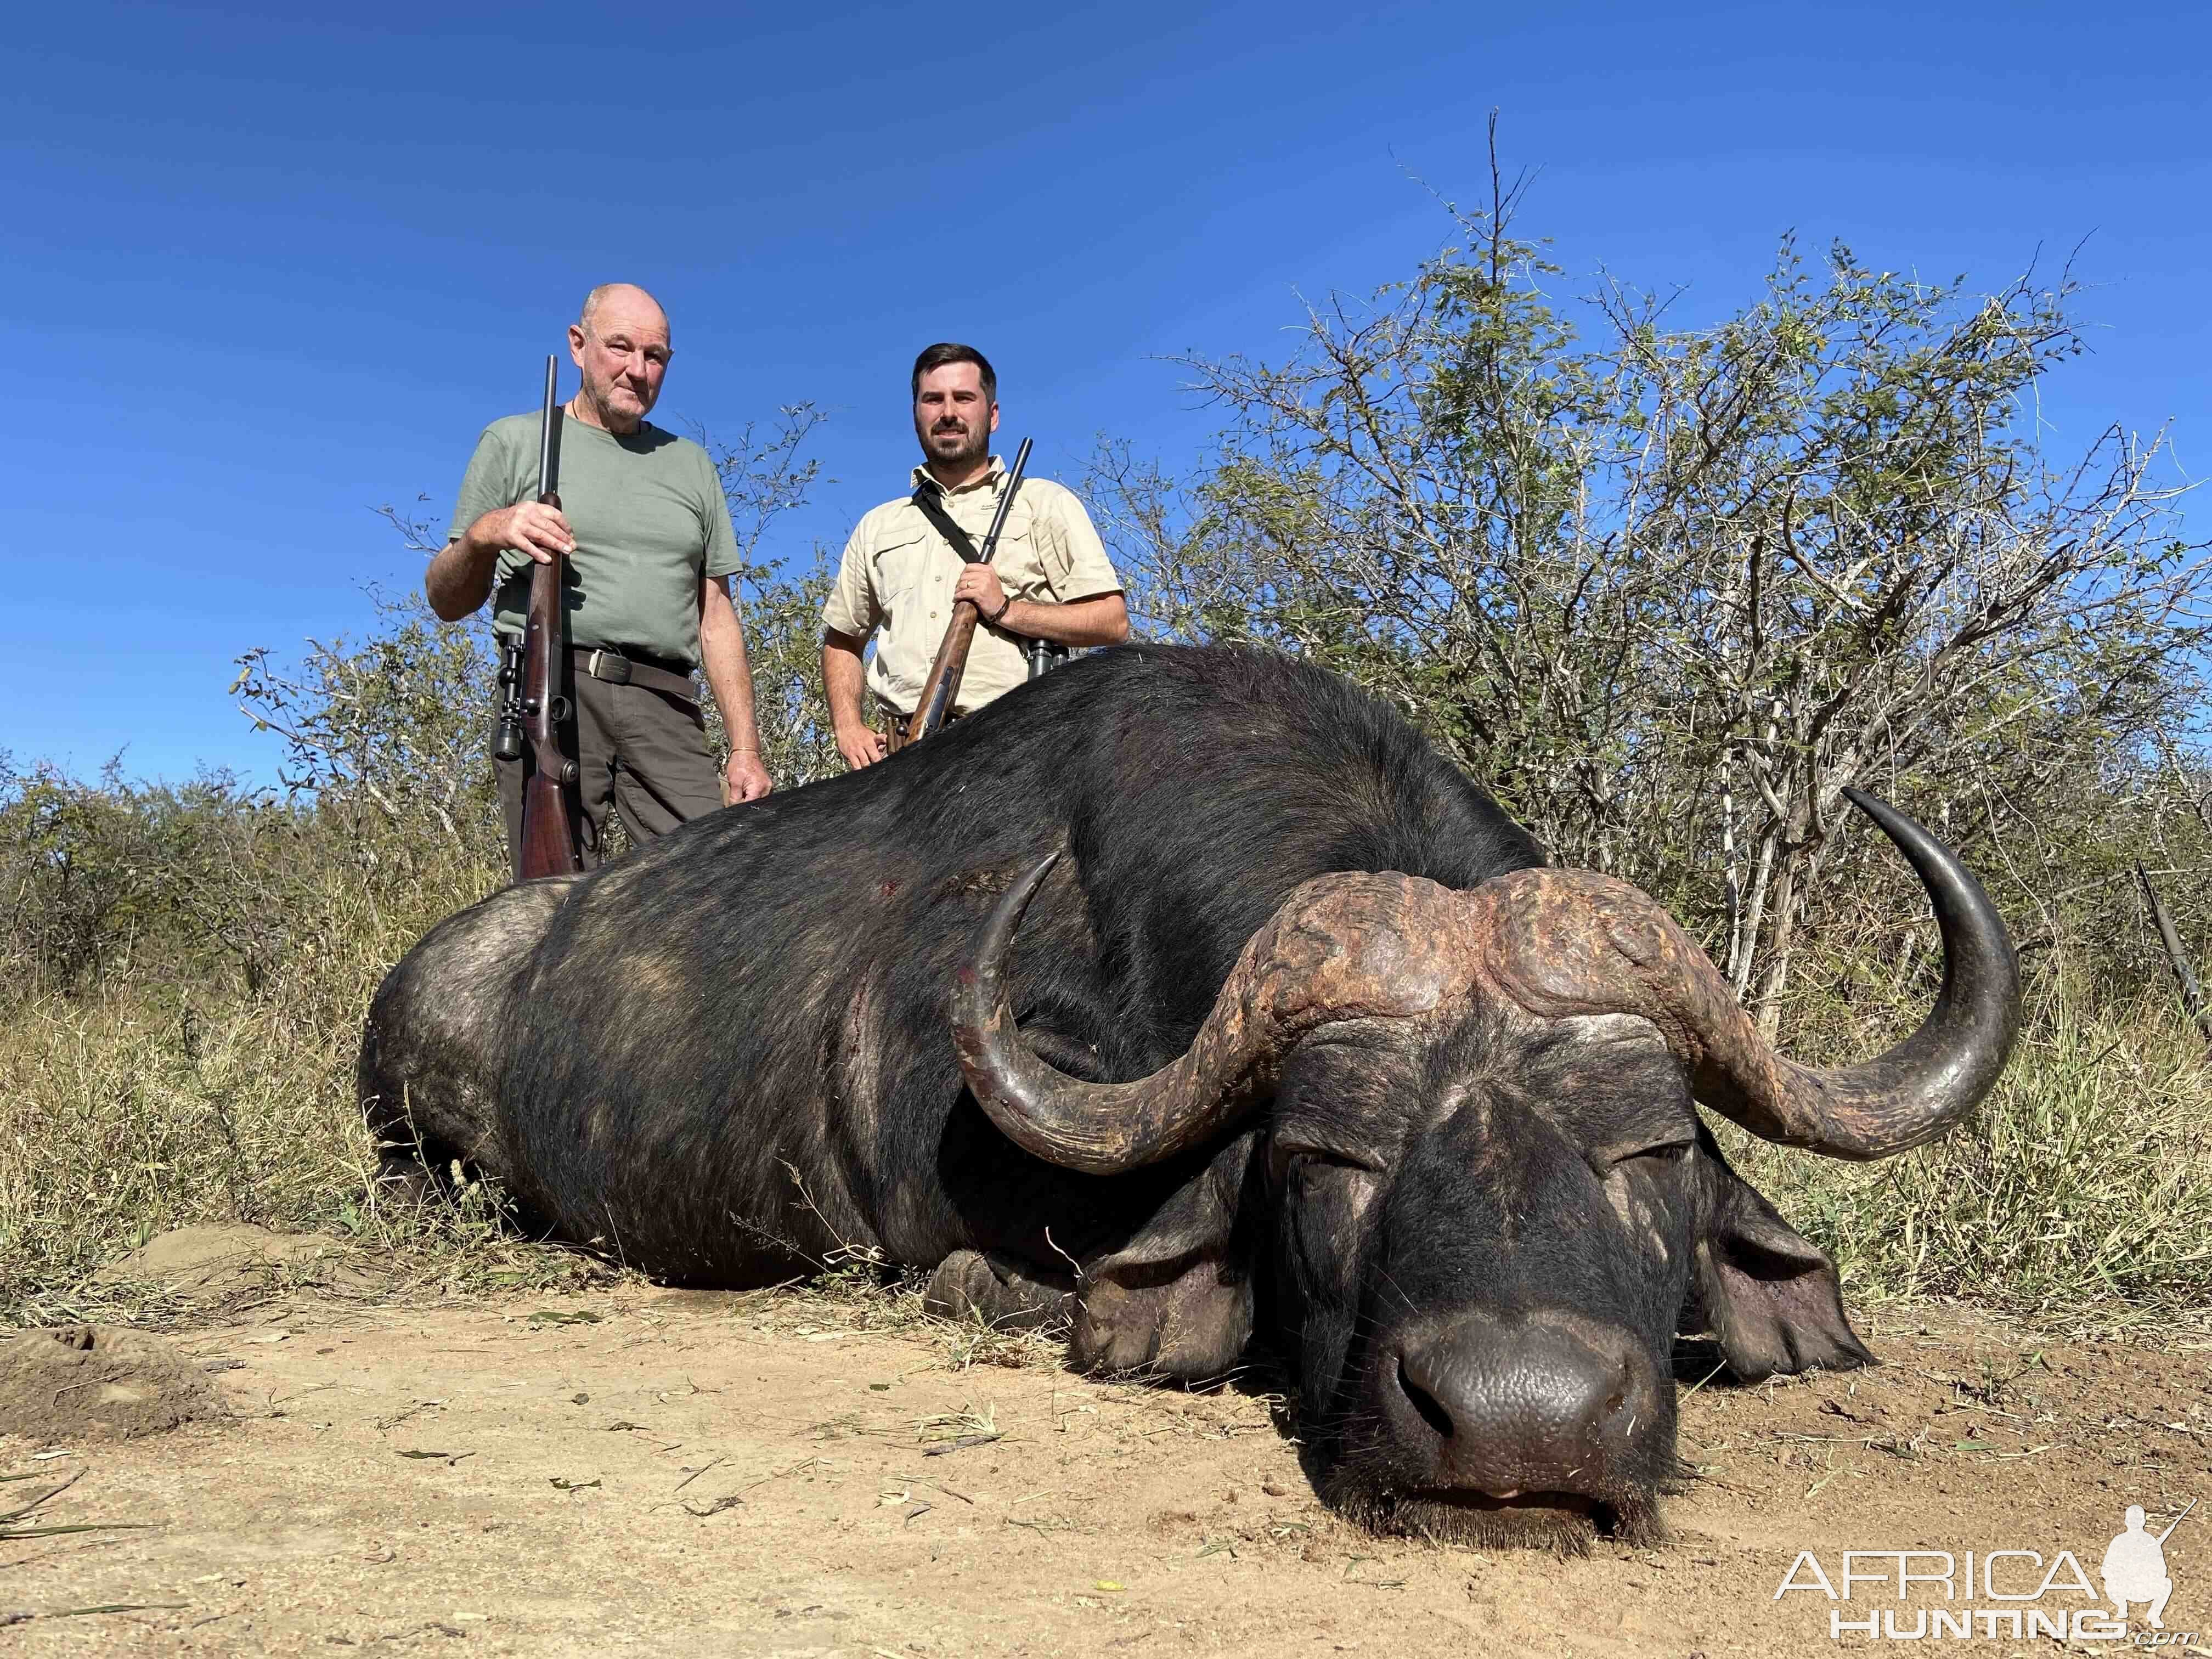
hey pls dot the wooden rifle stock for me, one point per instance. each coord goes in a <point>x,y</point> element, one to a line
<point>943,684</point>
<point>549,830</point>
<point>934,706</point>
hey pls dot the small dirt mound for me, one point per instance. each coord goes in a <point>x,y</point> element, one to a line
<point>78,1382</point>
<point>192,1257</point>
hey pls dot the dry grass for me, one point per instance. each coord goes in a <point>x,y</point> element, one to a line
<point>861,1293</point>
<point>2082,1186</point>
<point>2079,1189</point>
<point>150,1104</point>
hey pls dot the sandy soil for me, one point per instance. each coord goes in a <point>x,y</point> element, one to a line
<point>688,1473</point>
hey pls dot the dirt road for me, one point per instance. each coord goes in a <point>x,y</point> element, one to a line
<point>687,1473</point>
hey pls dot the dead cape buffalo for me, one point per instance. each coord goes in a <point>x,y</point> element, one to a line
<point>1198,967</point>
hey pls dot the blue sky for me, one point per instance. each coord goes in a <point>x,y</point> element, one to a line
<point>263,271</point>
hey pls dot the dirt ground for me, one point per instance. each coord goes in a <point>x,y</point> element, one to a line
<point>683,1472</point>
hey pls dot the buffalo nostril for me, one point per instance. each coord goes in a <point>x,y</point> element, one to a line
<point>1532,1404</point>
<point>1431,1409</point>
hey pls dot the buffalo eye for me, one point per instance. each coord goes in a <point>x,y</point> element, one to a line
<point>1285,1155</point>
<point>1652,1158</point>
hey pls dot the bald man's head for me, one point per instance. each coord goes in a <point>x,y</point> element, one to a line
<point>626,297</point>
<point>620,344</point>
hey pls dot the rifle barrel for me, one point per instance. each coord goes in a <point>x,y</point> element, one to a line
<point>545,429</point>
<point>2178,1520</point>
<point>990,547</point>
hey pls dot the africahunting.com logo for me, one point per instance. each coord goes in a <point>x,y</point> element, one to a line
<point>1937,1592</point>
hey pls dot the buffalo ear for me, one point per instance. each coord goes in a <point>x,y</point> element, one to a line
<point>1177,1298</point>
<point>1772,1299</point>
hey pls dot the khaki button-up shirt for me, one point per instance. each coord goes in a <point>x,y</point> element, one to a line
<point>897,573</point>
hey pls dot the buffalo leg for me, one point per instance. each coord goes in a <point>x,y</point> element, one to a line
<point>1007,1293</point>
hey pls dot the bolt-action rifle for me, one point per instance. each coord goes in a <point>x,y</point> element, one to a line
<point>528,672</point>
<point>943,684</point>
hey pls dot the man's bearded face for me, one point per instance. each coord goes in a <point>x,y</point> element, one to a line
<point>952,417</point>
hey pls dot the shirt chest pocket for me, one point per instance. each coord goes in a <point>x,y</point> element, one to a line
<point>896,567</point>
<point>1022,560</point>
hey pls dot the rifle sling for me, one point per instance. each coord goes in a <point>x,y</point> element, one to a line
<point>933,509</point>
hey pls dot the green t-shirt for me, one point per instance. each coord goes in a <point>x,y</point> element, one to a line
<point>650,522</point>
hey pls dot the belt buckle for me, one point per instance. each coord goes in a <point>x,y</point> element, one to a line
<point>592,666</point>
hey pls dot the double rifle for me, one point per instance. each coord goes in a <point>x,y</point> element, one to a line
<point>528,672</point>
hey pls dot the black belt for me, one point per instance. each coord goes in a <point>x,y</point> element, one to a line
<point>615,669</point>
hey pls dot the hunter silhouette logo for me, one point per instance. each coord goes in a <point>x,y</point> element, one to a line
<point>1994,1593</point>
<point>2135,1567</point>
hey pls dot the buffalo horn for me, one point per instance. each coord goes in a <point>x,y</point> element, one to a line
<point>1344,946</point>
<point>1560,942</point>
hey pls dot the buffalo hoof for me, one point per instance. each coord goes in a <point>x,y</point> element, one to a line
<point>402,1177</point>
<point>1004,1291</point>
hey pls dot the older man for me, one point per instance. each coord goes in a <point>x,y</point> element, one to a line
<point>1049,580</point>
<point>645,531</point>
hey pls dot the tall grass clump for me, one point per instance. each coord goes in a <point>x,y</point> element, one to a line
<point>151,1098</point>
<point>183,969</point>
<point>2084,1179</point>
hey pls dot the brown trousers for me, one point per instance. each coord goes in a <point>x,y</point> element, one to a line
<point>640,753</point>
